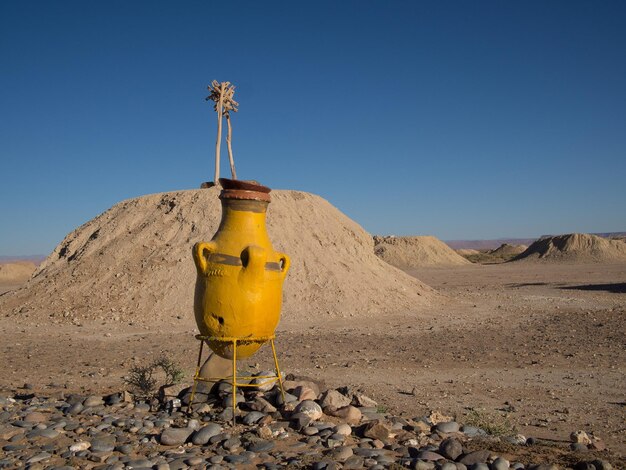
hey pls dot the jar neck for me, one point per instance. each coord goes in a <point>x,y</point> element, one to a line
<point>244,205</point>
<point>243,216</point>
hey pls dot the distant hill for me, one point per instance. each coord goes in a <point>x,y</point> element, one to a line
<point>506,250</point>
<point>37,259</point>
<point>601,234</point>
<point>575,247</point>
<point>414,252</point>
<point>487,244</point>
<point>493,244</point>
<point>503,253</point>
<point>16,272</point>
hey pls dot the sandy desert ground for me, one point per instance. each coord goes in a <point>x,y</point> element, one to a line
<point>542,344</point>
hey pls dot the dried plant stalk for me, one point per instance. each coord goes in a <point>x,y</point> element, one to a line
<point>222,95</point>
<point>218,142</point>
<point>230,147</point>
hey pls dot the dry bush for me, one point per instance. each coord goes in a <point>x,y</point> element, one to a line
<point>495,424</point>
<point>142,378</point>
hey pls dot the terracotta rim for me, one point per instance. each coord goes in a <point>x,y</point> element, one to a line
<point>244,190</point>
<point>246,185</point>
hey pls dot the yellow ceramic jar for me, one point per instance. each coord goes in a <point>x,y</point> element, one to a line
<point>239,275</point>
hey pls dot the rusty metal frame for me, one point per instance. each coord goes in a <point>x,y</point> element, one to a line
<point>232,379</point>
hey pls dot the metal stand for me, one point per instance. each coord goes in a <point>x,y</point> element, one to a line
<point>232,379</point>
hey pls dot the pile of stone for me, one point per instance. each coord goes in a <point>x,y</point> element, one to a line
<point>307,428</point>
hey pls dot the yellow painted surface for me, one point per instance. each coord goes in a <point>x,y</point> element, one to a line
<point>240,278</point>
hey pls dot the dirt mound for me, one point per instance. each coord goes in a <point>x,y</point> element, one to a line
<point>575,247</point>
<point>15,272</point>
<point>506,250</point>
<point>413,252</point>
<point>134,263</point>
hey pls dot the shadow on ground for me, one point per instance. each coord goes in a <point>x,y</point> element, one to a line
<point>616,288</point>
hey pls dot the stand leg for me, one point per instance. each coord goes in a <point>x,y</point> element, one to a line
<point>234,380</point>
<point>280,377</point>
<point>195,378</point>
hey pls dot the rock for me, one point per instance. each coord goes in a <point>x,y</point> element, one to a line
<point>299,421</point>
<point>584,466</point>
<point>473,431</point>
<point>227,401</point>
<point>376,430</point>
<point>310,431</point>
<point>423,465</point>
<point>139,463</point>
<point>113,399</point>
<point>35,417</point>
<point>193,424</point>
<point>334,399</point>
<point>597,444</point>
<point>420,426</point>
<point>264,384</point>
<point>175,436</point>
<point>293,384</point>
<point>447,427</point>
<point>580,437</point>
<point>480,466</point>
<point>226,414</point>
<point>7,431</point>
<point>202,435</point>
<point>236,460</point>
<point>261,446</point>
<point>142,408</point>
<point>518,440</point>
<point>125,449</point>
<point>252,417</point>
<point>103,444</point>
<point>350,414</point>
<point>450,448</point>
<point>167,392</point>
<point>578,447</point>
<point>354,462</point>
<point>231,444</point>
<point>343,429</point>
<point>500,464</point>
<point>39,457</point>
<point>363,400</point>
<point>310,409</point>
<point>261,404</point>
<point>47,433</point>
<point>93,400</point>
<point>75,409</point>
<point>436,417</point>
<point>602,465</point>
<point>341,454</point>
<point>478,456</point>
<point>289,398</point>
<point>304,393</point>
<point>429,455</point>
<point>448,466</point>
<point>264,432</point>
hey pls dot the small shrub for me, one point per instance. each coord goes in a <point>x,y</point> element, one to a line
<point>173,373</point>
<point>492,423</point>
<point>142,377</point>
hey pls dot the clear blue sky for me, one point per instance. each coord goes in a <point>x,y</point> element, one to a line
<point>464,120</point>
